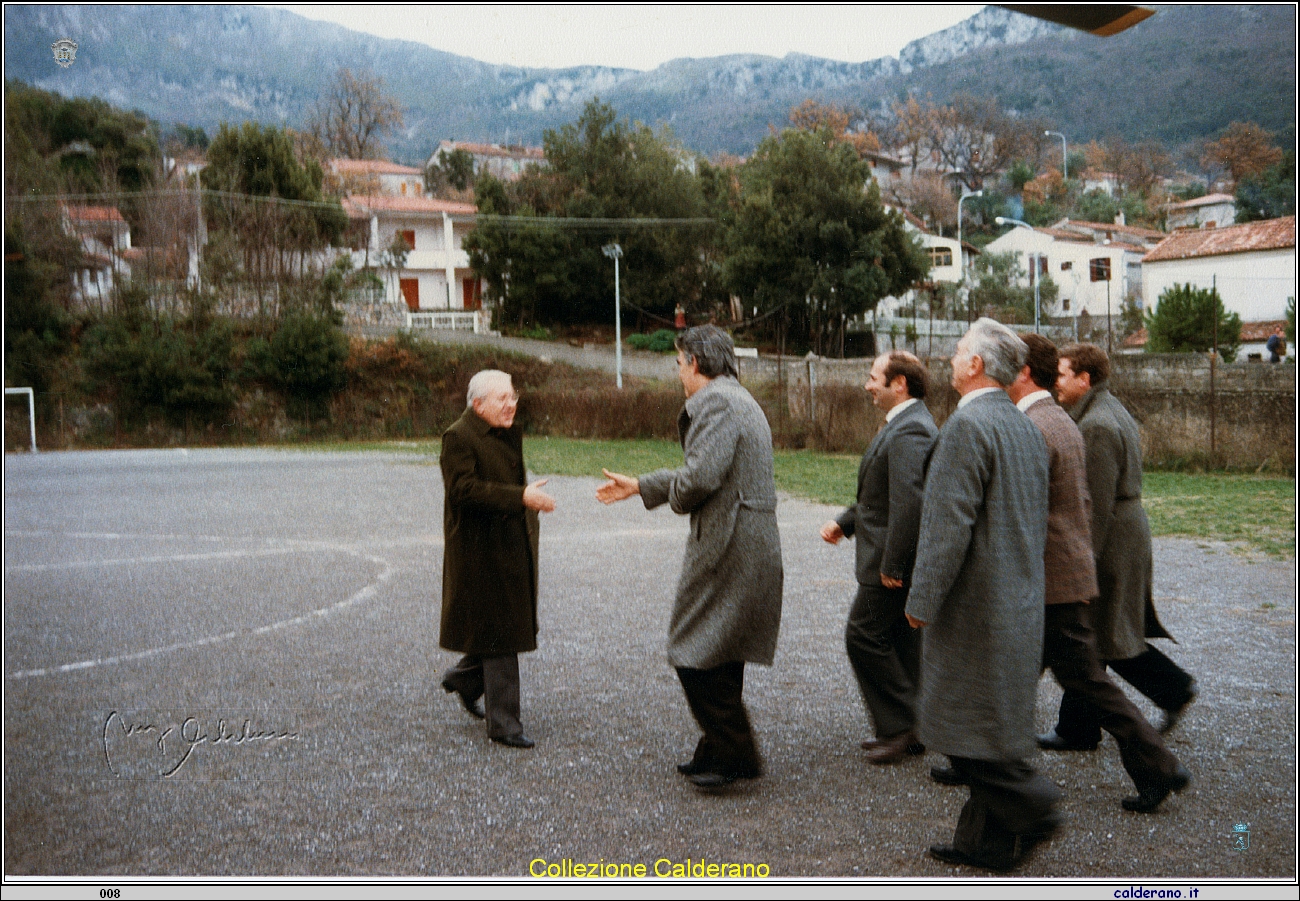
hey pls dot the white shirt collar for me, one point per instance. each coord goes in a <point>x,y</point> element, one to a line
<point>899,408</point>
<point>1030,399</point>
<point>978,392</point>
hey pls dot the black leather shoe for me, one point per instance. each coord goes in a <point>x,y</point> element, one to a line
<point>1173,716</point>
<point>892,750</point>
<point>949,854</point>
<point>946,775</point>
<point>711,779</point>
<point>689,769</point>
<point>515,741</point>
<point>1151,797</point>
<point>1053,742</point>
<point>472,707</point>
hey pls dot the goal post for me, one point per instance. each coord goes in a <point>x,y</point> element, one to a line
<point>31,409</point>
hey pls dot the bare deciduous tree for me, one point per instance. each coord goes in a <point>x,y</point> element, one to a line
<point>354,114</point>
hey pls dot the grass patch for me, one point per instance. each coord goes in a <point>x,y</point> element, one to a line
<point>1258,512</point>
<point>1255,511</point>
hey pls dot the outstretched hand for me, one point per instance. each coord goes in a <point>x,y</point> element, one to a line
<point>618,488</point>
<point>537,499</point>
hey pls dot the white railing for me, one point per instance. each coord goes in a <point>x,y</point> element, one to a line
<point>447,320</point>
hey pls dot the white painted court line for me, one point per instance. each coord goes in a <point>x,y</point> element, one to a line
<point>364,594</point>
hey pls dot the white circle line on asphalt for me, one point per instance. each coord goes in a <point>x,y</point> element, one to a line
<point>364,594</point>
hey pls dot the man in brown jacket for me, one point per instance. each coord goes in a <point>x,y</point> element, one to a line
<point>489,569</point>
<point>1069,646</point>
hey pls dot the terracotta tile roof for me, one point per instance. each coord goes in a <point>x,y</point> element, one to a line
<point>372,167</point>
<point>361,206</point>
<point>1135,231</point>
<point>1137,339</point>
<point>1207,200</point>
<point>94,213</point>
<point>1260,331</point>
<point>1271,234</point>
<point>1061,234</point>
<point>532,153</point>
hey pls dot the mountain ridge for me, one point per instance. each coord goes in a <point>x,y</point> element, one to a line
<point>208,64</point>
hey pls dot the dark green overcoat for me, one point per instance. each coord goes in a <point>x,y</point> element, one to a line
<point>489,566</point>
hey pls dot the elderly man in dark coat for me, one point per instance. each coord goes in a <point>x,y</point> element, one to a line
<point>489,569</point>
<point>728,607</point>
<point>978,592</point>
<point>884,651</point>
<point>1124,615</point>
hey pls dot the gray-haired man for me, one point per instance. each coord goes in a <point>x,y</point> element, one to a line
<point>728,607</point>
<point>977,590</point>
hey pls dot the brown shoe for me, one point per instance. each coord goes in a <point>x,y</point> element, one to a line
<point>892,750</point>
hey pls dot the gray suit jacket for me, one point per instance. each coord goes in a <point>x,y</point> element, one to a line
<point>728,605</point>
<point>978,582</point>
<point>891,479</point>
<point>1124,615</point>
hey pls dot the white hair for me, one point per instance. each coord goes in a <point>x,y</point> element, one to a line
<point>481,384</point>
<point>1001,349</point>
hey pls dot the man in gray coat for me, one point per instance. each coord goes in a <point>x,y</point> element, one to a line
<point>977,591</point>
<point>884,651</point>
<point>728,606</point>
<point>1124,616</point>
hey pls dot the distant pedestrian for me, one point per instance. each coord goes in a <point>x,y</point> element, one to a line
<point>1276,345</point>
<point>679,318</point>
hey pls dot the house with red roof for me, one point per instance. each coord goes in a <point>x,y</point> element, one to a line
<point>105,240</point>
<point>1210,211</point>
<point>1252,265</point>
<point>435,275</point>
<point>506,163</point>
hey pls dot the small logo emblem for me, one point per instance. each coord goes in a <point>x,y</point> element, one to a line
<point>1241,837</point>
<point>65,52</point>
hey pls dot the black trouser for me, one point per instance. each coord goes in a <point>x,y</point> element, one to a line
<point>714,695</point>
<point>496,681</point>
<point>1070,652</point>
<point>1007,799</point>
<point>885,653</point>
<point>1151,673</point>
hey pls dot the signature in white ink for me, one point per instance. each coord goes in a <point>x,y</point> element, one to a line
<point>173,745</point>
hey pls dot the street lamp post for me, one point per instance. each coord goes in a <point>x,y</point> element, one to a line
<point>961,252</point>
<point>1065,159</point>
<point>1038,276</point>
<point>614,251</point>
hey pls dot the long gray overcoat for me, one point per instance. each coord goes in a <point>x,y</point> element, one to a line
<point>978,582</point>
<point>1124,616</point>
<point>489,565</point>
<point>728,604</point>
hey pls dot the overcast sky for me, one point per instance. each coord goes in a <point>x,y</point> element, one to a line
<point>646,36</point>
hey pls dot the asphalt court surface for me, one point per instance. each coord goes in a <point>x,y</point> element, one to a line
<point>225,662</point>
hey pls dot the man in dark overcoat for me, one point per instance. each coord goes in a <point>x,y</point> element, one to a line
<point>1124,616</point>
<point>1069,646</point>
<point>489,568</point>
<point>727,610</point>
<point>884,651</point>
<point>977,592</point>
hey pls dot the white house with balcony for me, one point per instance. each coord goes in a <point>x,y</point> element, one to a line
<point>1093,276</point>
<point>434,282</point>
<point>1253,266</point>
